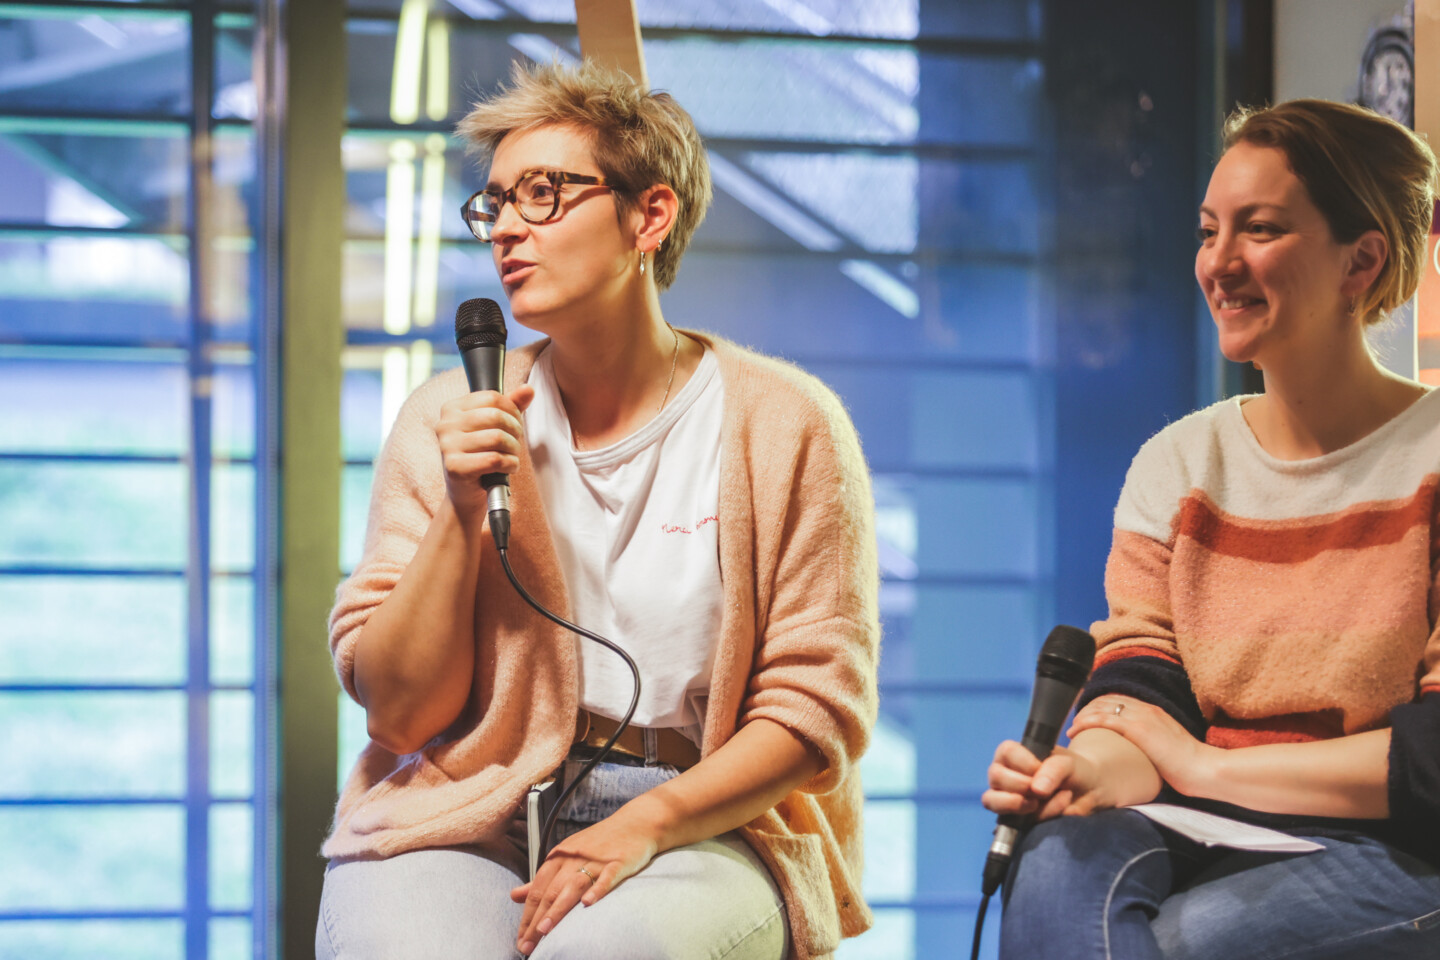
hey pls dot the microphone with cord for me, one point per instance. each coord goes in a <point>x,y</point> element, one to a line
<point>1064,666</point>
<point>480,336</point>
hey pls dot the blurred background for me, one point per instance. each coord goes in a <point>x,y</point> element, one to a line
<point>973,218</point>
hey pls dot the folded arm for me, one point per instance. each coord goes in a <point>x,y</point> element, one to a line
<point>411,649</point>
<point>1341,777</point>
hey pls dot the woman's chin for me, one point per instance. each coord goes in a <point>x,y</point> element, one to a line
<point>533,316</point>
<point>523,307</point>
<point>1239,347</point>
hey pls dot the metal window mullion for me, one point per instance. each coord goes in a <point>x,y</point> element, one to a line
<point>41,348</point>
<point>107,801</point>
<point>18,230</point>
<point>267,58</point>
<point>112,687</point>
<point>153,353</point>
<point>124,458</point>
<point>74,9</point>
<point>57,570</point>
<point>926,256</point>
<point>972,47</point>
<point>60,570</point>
<point>201,380</point>
<point>90,123</point>
<point>937,150</point>
<point>67,915</point>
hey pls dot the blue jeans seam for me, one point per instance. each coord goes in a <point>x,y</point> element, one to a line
<point>756,929</point>
<point>327,919</point>
<point>1110,894</point>
<point>1414,922</point>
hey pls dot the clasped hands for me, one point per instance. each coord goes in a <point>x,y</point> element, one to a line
<point>1121,750</point>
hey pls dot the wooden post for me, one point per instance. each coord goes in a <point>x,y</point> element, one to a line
<point>304,187</point>
<point>610,35</point>
<point>1427,124</point>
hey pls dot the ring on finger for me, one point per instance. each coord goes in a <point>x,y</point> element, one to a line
<point>587,873</point>
<point>1119,708</point>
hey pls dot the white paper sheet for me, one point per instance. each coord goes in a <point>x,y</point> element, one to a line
<point>1215,831</point>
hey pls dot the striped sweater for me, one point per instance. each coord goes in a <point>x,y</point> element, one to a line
<point>1261,600</point>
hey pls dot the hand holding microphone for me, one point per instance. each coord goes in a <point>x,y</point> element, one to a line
<point>481,434</point>
<point>1064,666</point>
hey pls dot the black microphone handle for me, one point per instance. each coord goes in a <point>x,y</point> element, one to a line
<point>485,370</point>
<point>1049,706</point>
<point>485,367</point>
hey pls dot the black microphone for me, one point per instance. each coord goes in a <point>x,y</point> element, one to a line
<point>480,335</point>
<point>1065,662</point>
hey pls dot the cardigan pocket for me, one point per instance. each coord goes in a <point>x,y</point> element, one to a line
<point>797,864</point>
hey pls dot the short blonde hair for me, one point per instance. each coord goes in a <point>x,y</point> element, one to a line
<point>1364,172</point>
<point>639,138</point>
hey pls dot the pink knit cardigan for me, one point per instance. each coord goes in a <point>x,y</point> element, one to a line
<point>799,639</point>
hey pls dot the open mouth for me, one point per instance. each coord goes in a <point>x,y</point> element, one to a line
<point>513,271</point>
<point>1238,303</point>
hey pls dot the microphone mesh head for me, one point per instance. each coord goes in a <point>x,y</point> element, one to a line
<point>479,323</point>
<point>1069,650</point>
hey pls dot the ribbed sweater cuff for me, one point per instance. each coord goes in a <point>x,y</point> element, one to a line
<point>1154,680</point>
<point>1414,779</point>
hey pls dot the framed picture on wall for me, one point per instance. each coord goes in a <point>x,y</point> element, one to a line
<point>1387,69</point>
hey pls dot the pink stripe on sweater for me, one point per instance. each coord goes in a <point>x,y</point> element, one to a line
<point>1229,733</point>
<point>1358,527</point>
<point>1344,629</point>
<point>1113,655</point>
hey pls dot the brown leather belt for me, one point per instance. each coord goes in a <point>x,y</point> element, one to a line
<point>671,746</point>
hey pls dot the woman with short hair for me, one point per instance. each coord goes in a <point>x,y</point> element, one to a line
<point>1271,652</point>
<point>706,508</point>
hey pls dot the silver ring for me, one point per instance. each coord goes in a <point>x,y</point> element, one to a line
<point>1118,708</point>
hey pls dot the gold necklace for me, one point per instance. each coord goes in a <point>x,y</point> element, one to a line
<point>674,356</point>
<point>670,382</point>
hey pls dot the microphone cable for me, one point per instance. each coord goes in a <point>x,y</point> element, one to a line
<point>1066,659</point>
<point>593,762</point>
<point>979,926</point>
<point>480,337</point>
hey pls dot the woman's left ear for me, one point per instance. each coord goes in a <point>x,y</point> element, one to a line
<point>1367,259</point>
<point>656,213</point>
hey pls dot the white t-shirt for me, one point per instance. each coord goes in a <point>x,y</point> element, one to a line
<point>637,532</point>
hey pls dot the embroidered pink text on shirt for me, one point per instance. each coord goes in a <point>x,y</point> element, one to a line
<point>678,528</point>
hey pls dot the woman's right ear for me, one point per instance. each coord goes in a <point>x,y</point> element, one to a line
<point>658,208</point>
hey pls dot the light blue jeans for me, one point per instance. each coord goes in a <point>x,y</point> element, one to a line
<point>1114,886</point>
<point>706,901</point>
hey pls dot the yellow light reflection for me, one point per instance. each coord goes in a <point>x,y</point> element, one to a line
<point>399,234</point>
<point>432,202</point>
<point>409,52</point>
<point>394,385</point>
<point>437,75</point>
<point>422,362</point>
